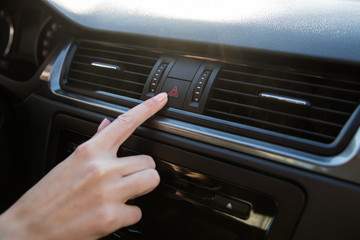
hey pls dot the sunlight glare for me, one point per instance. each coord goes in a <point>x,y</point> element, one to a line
<point>194,10</point>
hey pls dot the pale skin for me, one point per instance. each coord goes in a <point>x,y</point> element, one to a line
<point>85,196</point>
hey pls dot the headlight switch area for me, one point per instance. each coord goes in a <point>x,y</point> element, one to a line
<point>187,81</point>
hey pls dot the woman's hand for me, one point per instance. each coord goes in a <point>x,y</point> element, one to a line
<point>85,196</point>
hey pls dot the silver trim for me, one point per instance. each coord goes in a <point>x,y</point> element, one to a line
<point>11,34</point>
<point>345,165</point>
<point>260,221</point>
<point>10,41</point>
<point>284,99</point>
<point>105,65</point>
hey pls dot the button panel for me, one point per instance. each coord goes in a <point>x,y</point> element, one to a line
<point>200,85</point>
<point>156,77</point>
<point>187,81</point>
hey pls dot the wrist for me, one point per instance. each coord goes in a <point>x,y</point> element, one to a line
<point>12,226</point>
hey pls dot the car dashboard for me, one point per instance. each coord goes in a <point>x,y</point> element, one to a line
<point>259,138</point>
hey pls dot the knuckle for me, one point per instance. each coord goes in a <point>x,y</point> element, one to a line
<point>83,150</point>
<point>126,119</point>
<point>133,215</point>
<point>153,177</point>
<point>137,215</point>
<point>96,170</point>
<point>105,219</point>
<point>149,160</point>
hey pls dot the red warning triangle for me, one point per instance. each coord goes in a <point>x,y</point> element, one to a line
<point>174,92</point>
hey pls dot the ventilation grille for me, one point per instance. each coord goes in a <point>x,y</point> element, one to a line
<point>133,68</point>
<point>235,97</point>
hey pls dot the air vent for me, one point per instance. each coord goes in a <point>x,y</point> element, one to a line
<point>310,107</point>
<point>111,68</point>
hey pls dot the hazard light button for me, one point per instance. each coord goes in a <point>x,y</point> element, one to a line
<point>177,90</point>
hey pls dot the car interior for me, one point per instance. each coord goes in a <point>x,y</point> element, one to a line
<point>260,136</point>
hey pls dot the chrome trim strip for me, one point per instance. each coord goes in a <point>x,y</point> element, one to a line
<point>10,41</point>
<point>284,99</point>
<point>257,220</point>
<point>345,165</point>
<point>11,34</point>
<point>105,65</point>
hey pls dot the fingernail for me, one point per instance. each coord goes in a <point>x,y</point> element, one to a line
<point>103,124</point>
<point>161,97</point>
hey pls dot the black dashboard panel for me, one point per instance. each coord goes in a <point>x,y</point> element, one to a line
<point>272,211</point>
<point>326,198</point>
<point>72,63</point>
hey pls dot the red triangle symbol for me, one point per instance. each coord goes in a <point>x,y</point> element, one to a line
<point>173,92</point>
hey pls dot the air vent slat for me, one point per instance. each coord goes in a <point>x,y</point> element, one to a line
<point>96,86</point>
<point>240,94</point>
<point>298,82</point>
<point>91,58</point>
<point>126,71</point>
<point>259,109</point>
<point>288,91</point>
<point>113,68</point>
<point>117,52</point>
<point>255,97</point>
<point>275,126</point>
<point>88,75</point>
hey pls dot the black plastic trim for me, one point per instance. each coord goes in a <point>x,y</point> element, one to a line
<point>327,199</point>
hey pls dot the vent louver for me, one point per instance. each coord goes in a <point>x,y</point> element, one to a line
<point>236,97</point>
<point>110,68</point>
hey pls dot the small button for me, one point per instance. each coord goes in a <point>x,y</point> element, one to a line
<point>185,69</point>
<point>232,207</point>
<point>177,90</point>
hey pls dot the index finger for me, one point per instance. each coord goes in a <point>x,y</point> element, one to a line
<point>110,138</point>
